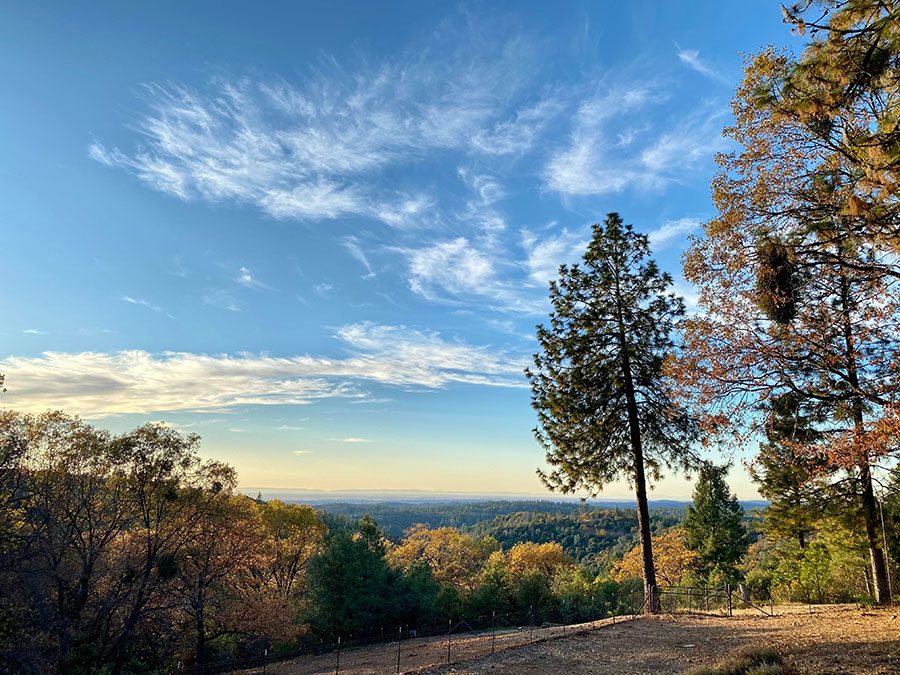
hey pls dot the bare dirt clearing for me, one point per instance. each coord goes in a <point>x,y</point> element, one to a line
<point>826,641</point>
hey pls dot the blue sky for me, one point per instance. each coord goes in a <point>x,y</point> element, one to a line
<point>319,234</point>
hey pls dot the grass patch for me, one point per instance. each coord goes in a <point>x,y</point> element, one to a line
<point>747,661</point>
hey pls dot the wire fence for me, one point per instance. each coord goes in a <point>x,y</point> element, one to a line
<point>720,600</point>
<point>404,648</point>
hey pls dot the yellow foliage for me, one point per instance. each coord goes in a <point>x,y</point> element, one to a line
<point>545,559</point>
<point>454,558</point>
<point>674,562</point>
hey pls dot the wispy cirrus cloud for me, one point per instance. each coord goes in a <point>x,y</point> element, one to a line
<point>222,299</point>
<point>519,133</point>
<point>305,148</point>
<point>353,247</point>
<point>141,302</point>
<point>246,279</point>
<point>546,251</point>
<point>691,58</point>
<point>689,144</point>
<point>615,145</point>
<point>458,271</point>
<point>454,266</point>
<point>97,384</point>
<point>512,281</point>
<point>672,231</point>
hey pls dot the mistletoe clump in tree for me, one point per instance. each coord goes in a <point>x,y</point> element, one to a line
<point>603,404</point>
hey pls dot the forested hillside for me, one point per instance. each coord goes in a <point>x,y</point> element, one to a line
<point>592,537</point>
<point>395,518</point>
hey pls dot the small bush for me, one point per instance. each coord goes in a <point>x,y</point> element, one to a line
<point>747,661</point>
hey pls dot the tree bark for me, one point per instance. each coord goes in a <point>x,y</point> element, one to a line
<point>640,483</point>
<point>876,553</point>
<point>869,505</point>
<point>200,642</point>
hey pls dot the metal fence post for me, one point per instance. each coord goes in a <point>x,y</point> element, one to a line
<point>265,660</point>
<point>493,629</point>
<point>728,598</point>
<point>449,630</point>
<point>337,662</point>
<point>399,640</point>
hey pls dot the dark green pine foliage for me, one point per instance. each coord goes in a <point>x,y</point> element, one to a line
<point>355,592</point>
<point>603,405</point>
<point>795,483</point>
<point>713,526</point>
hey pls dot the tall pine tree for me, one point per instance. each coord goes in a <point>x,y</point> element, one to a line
<point>796,484</point>
<point>603,404</point>
<point>713,526</point>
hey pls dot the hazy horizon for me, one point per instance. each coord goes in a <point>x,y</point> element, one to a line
<point>425,496</point>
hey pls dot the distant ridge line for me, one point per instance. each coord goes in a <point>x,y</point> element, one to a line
<point>313,497</point>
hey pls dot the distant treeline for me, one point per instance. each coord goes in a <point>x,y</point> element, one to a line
<point>396,517</point>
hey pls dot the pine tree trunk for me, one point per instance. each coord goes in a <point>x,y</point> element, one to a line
<point>640,483</point>
<point>876,553</point>
<point>869,506</point>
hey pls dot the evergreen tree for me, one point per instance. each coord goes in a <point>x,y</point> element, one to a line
<point>795,484</point>
<point>353,586</point>
<point>603,404</point>
<point>843,95</point>
<point>713,525</point>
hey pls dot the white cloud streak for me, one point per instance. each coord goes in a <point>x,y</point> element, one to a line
<point>140,302</point>
<point>245,278</point>
<point>691,58</point>
<point>305,149</point>
<point>353,248</point>
<point>544,254</point>
<point>613,148</point>
<point>672,231</point>
<point>97,384</point>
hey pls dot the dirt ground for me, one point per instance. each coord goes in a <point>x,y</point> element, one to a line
<point>845,640</point>
<point>812,640</point>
